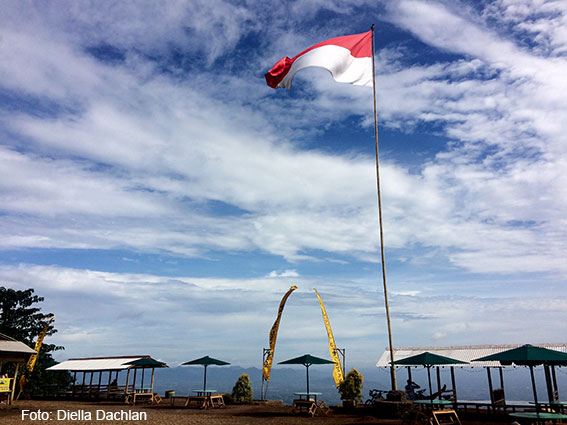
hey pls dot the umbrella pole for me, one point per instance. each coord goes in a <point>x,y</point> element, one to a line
<point>429,379</point>
<point>534,388</point>
<point>307,381</point>
<point>205,379</point>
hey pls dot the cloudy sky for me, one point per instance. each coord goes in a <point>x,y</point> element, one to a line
<point>162,198</point>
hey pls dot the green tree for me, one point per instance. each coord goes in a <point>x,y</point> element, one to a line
<point>242,390</point>
<point>22,320</point>
<point>350,388</point>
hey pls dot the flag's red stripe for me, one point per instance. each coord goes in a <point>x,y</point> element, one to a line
<point>360,46</point>
<point>275,75</point>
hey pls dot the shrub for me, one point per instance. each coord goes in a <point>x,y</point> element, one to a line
<point>351,387</point>
<point>242,390</point>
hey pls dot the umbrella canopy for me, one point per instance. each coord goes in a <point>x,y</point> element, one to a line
<point>206,361</point>
<point>428,359</point>
<point>307,360</point>
<point>146,362</point>
<point>528,355</point>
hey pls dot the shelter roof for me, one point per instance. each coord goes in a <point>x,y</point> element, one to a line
<point>464,353</point>
<point>92,364</point>
<point>12,350</point>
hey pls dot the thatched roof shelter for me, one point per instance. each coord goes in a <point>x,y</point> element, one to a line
<point>13,351</point>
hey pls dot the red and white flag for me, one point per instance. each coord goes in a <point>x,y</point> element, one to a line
<point>347,58</point>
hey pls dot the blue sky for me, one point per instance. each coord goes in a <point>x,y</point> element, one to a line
<point>162,198</point>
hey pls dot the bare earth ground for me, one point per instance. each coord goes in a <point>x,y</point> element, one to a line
<point>22,413</point>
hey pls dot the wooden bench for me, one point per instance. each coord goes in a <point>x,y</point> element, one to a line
<point>147,397</point>
<point>205,401</point>
<point>322,409</point>
<point>309,405</point>
<point>196,400</point>
<point>445,417</point>
<point>216,400</point>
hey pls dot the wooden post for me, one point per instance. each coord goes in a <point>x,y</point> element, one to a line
<point>555,389</point>
<point>128,380</point>
<point>11,399</point>
<point>153,371</point>
<point>74,383</point>
<point>439,381</point>
<point>548,384</point>
<point>453,383</point>
<point>83,384</point>
<point>534,388</point>
<point>91,383</point>
<point>490,388</point>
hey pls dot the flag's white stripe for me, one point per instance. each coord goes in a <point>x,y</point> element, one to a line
<point>344,67</point>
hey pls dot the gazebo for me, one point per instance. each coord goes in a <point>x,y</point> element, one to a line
<point>12,351</point>
<point>468,353</point>
<point>90,386</point>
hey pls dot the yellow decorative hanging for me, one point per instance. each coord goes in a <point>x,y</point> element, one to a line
<point>267,368</point>
<point>338,374</point>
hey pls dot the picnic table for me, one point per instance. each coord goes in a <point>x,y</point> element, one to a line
<point>432,417</point>
<point>308,401</point>
<point>205,399</point>
<point>555,405</point>
<point>434,404</point>
<point>538,417</point>
<point>142,394</point>
<point>433,411</point>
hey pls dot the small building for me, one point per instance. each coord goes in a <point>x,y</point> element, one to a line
<point>12,351</point>
<point>100,377</point>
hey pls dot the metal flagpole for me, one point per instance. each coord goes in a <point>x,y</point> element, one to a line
<point>392,366</point>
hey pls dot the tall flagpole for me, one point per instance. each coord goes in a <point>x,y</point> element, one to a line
<point>392,367</point>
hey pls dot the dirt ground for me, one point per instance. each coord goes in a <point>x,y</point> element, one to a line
<point>25,412</point>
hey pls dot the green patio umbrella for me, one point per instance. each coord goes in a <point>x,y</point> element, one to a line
<point>146,363</point>
<point>528,355</point>
<point>428,359</point>
<point>206,361</point>
<point>307,360</point>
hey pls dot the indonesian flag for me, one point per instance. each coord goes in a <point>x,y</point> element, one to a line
<point>347,58</point>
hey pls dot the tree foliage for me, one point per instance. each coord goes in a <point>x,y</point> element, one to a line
<point>242,390</point>
<point>351,387</point>
<point>21,319</point>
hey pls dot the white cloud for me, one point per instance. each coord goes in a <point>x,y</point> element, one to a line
<point>185,315</point>
<point>285,273</point>
<point>122,156</point>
